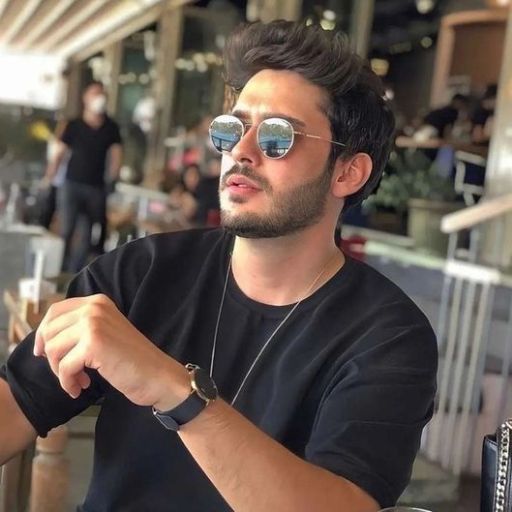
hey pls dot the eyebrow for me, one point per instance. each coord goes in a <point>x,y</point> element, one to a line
<point>243,114</point>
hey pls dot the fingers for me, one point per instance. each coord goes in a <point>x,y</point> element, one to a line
<point>72,376</point>
<point>58,346</point>
<point>51,328</point>
<point>69,336</point>
<point>64,313</point>
<point>55,311</point>
<point>67,359</point>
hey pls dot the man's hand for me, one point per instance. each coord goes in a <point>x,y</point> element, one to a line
<point>90,332</point>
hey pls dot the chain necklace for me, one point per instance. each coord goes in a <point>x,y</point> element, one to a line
<point>274,332</point>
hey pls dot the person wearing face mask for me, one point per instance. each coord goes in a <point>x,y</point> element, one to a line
<point>91,140</point>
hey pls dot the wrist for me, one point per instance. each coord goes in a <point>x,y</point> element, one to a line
<point>202,392</point>
<point>175,387</point>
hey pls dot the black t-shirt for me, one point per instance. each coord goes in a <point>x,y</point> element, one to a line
<point>480,116</point>
<point>441,118</point>
<point>347,383</point>
<point>89,147</point>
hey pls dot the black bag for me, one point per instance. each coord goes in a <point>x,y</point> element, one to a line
<point>496,494</point>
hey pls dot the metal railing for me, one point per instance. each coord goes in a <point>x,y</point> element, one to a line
<point>467,311</point>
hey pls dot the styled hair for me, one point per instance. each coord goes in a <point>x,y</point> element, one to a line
<point>93,83</point>
<point>357,111</point>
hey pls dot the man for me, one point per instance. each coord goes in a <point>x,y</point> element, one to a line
<point>442,120</point>
<point>89,140</point>
<point>325,370</point>
<point>483,117</point>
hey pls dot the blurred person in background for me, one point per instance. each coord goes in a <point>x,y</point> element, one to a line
<point>182,195</point>
<point>483,116</point>
<point>135,137</point>
<point>439,123</point>
<point>91,140</point>
<point>194,198</point>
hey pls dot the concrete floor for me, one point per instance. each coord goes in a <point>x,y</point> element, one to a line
<point>80,455</point>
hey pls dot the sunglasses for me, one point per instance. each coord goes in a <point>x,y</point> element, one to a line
<point>275,135</point>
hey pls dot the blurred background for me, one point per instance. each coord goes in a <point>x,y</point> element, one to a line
<point>438,224</point>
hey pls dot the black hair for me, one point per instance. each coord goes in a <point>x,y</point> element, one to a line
<point>94,83</point>
<point>491,91</point>
<point>460,97</point>
<point>357,111</point>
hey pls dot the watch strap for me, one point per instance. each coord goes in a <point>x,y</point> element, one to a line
<point>182,413</point>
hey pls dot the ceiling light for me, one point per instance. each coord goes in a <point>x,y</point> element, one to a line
<point>426,42</point>
<point>329,15</point>
<point>202,67</point>
<point>180,63</point>
<point>327,25</point>
<point>144,79</point>
<point>380,66</point>
<point>425,6</point>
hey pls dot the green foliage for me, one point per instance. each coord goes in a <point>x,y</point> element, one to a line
<point>409,175</point>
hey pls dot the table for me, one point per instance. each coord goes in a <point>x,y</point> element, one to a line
<point>405,142</point>
<point>18,246</point>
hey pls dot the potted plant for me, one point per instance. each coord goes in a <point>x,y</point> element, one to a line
<point>417,190</point>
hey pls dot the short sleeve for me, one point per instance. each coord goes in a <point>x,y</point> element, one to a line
<point>69,133</point>
<point>369,423</point>
<point>116,134</point>
<point>35,387</point>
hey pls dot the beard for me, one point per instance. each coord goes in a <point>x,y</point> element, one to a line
<point>292,210</point>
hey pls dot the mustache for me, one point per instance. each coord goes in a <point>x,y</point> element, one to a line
<point>243,170</point>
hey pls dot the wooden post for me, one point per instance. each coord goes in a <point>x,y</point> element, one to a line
<point>16,476</point>
<point>50,473</point>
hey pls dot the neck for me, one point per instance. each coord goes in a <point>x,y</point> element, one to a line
<point>280,271</point>
<point>92,118</point>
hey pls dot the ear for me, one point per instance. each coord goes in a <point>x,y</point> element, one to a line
<point>351,174</point>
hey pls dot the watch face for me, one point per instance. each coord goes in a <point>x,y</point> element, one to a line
<point>205,386</point>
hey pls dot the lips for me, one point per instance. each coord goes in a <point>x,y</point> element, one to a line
<point>239,181</point>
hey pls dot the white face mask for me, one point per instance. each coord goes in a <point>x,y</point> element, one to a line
<point>98,104</point>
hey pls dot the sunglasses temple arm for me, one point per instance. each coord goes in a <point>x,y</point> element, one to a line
<point>320,138</point>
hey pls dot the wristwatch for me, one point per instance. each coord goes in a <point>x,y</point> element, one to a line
<point>203,391</point>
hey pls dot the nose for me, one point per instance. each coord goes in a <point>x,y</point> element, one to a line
<point>246,151</point>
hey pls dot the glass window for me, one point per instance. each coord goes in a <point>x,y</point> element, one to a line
<point>135,104</point>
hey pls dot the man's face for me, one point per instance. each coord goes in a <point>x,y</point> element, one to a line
<point>93,91</point>
<point>94,98</point>
<point>264,198</point>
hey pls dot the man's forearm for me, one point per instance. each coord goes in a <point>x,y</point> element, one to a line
<point>51,169</point>
<point>116,159</point>
<point>253,472</point>
<point>114,173</point>
<point>16,433</point>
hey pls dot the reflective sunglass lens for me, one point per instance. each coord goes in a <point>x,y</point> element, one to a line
<point>275,137</point>
<point>225,132</point>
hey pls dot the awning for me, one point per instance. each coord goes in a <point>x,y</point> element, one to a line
<point>63,27</point>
